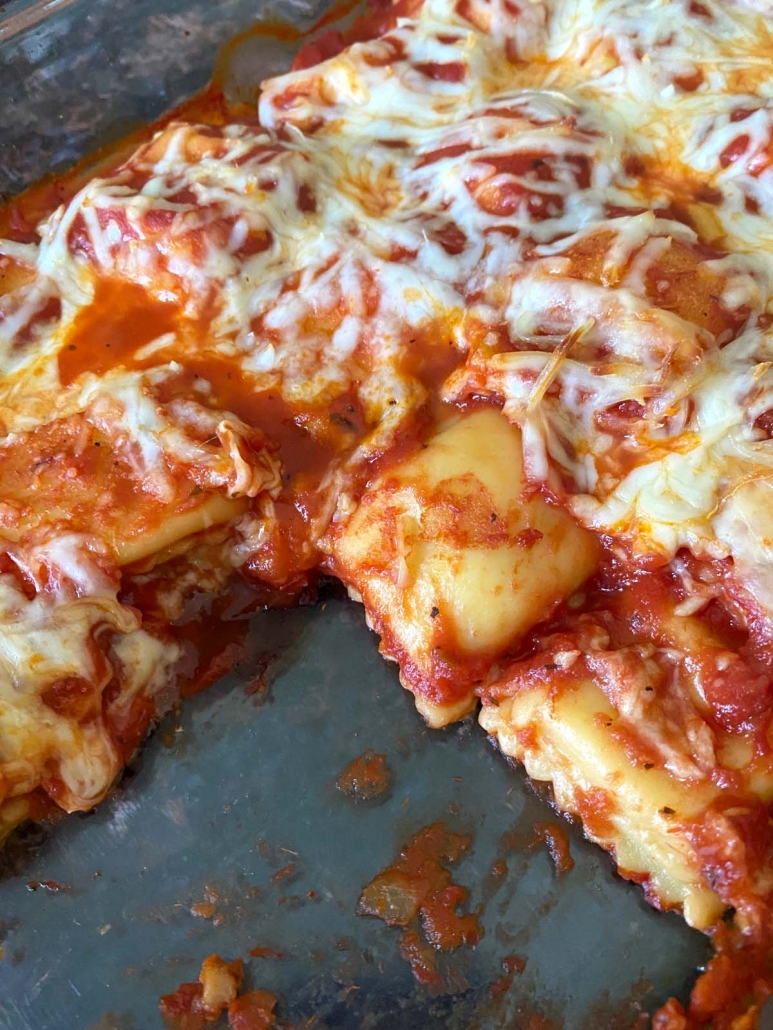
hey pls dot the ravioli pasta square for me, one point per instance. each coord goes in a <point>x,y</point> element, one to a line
<point>475,314</point>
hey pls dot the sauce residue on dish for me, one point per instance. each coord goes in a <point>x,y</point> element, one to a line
<point>263,951</point>
<point>417,893</point>
<point>366,777</point>
<point>512,965</point>
<point>252,1011</point>
<point>557,840</point>
<point>195,1005</point>
<point>520,838</point>
<point>417,890</point>
<point>207,908</point>
<point>51,886</point>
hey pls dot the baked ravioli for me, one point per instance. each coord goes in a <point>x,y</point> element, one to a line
<point>475,313</point>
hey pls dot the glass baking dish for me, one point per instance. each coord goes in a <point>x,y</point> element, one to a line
<point>97,918</point>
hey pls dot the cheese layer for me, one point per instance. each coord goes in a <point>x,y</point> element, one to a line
<point>502,260</point>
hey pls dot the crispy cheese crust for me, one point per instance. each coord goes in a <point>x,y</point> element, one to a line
<point>477,317</point>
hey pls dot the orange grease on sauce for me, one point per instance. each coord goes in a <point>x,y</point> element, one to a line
<point>107,332</point>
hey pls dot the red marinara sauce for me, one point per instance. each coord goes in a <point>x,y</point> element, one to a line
<point>418,892</point>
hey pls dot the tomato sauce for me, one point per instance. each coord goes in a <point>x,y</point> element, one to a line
<point>365,777</point>
<point>557,840</point>
<point>121,319</point>
<point>212,632</point>
<point>732,838</point>
<point>512,965</point>
<point>196,1005</point>
<point>417,892</point>
<point>730,992</point>
<point>252,1011</point>
<point>422,959</point>
<point>431,354</point>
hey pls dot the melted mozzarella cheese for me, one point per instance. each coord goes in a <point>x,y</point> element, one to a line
<point>515,182</point>
<point>156,439</point>
<point>631,78</point>
<point>54,644</point>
